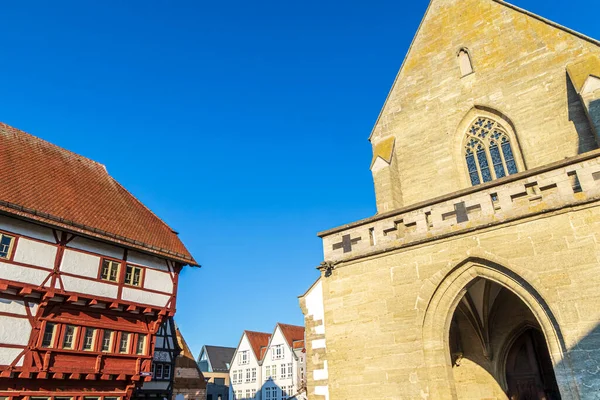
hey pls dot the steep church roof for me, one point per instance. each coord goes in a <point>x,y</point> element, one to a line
<point>51,185</point>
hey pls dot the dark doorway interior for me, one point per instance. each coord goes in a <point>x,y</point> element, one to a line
<point>529,372</point>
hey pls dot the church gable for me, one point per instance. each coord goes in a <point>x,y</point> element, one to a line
<point>479,54</point>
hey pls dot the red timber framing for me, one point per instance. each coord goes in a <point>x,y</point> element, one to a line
<point>110,343</point>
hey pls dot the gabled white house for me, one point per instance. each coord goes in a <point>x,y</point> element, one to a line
<point>284,364</point>
<point>279,361</point>
<point>245,370</point>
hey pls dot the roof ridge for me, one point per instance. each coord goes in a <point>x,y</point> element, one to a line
<point>46,142</point>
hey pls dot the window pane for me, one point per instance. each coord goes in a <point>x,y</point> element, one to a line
<point>106,340</point>
<point>497,161</point>
<point>5,242</point>
<point>48,335</point>
<point>124,344</point>
<point>166,371</point>
<point>114,269</point>
<point>141,344</point>
<point>69,335</point>
<point>484,165</point>
<point>88,339</point>
<point>509,158</point>
<point>137,272</point>
<point>472,169</point>
<point>159,371</point>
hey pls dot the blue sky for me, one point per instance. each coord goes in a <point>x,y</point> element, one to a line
<point>244,125</point>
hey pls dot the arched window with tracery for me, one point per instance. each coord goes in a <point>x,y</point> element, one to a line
<point>488,151</point>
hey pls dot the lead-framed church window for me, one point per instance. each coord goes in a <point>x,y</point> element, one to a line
<point>488,151</point>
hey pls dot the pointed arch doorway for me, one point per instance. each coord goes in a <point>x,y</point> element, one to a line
<point>497,347</point>
<point>472,363</point>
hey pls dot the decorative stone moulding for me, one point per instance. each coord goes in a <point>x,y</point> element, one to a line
<point>571,182</point>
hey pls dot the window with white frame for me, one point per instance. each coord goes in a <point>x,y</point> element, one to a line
<point>283,371</point>
<point>244,357</point>
<point>248,375</point>
<point>247,393</point>
<point>234,376</point>
<point>285,392</point>
<point>277,352</point>
<point>253,393</point>
<point>253,374</point>
<point>290,369</point>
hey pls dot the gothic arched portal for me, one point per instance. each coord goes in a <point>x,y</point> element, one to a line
<point>477,313</point>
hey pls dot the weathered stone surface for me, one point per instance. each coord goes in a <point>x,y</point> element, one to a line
<point>392,296</point>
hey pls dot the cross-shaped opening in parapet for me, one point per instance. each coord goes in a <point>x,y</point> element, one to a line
<point>346,243</point>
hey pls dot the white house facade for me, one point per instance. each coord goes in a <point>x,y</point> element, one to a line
<point>245,371</point>
<point>270,366</point>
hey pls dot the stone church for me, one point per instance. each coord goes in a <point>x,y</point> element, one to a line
<point>479,276</point>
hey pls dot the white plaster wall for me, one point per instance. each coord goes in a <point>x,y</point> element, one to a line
<point>79,263</point>
<point>158,280</point>
<point>7,356</point>
<point>288,357</point>
<point>314,302</point>
<point>322,391</point>
<point>12,306</point>
<point>35,253</point>
<point>147,260</point>
<point>25,228</point>
<point>97,247</point>
<point>141,296</point>
<point>252,363</point>
<point>22,274</point>
<point>14,330</point>
<point>90,287</point>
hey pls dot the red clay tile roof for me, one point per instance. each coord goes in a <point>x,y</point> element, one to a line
<point>46,183</point>
<point>298,344</point>
<point>292,333</point>
<point>257,341</point>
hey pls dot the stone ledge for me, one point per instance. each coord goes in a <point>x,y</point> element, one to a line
<point>567,183</point>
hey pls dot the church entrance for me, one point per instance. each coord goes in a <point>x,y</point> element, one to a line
<point>497,347</point>
<point>529,372</point>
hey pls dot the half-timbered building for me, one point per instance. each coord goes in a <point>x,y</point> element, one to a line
<point>166,350</point>
<point>88,275</point>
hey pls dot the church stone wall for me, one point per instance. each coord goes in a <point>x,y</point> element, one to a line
<point>519,67</point>
<point>374,307</point>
